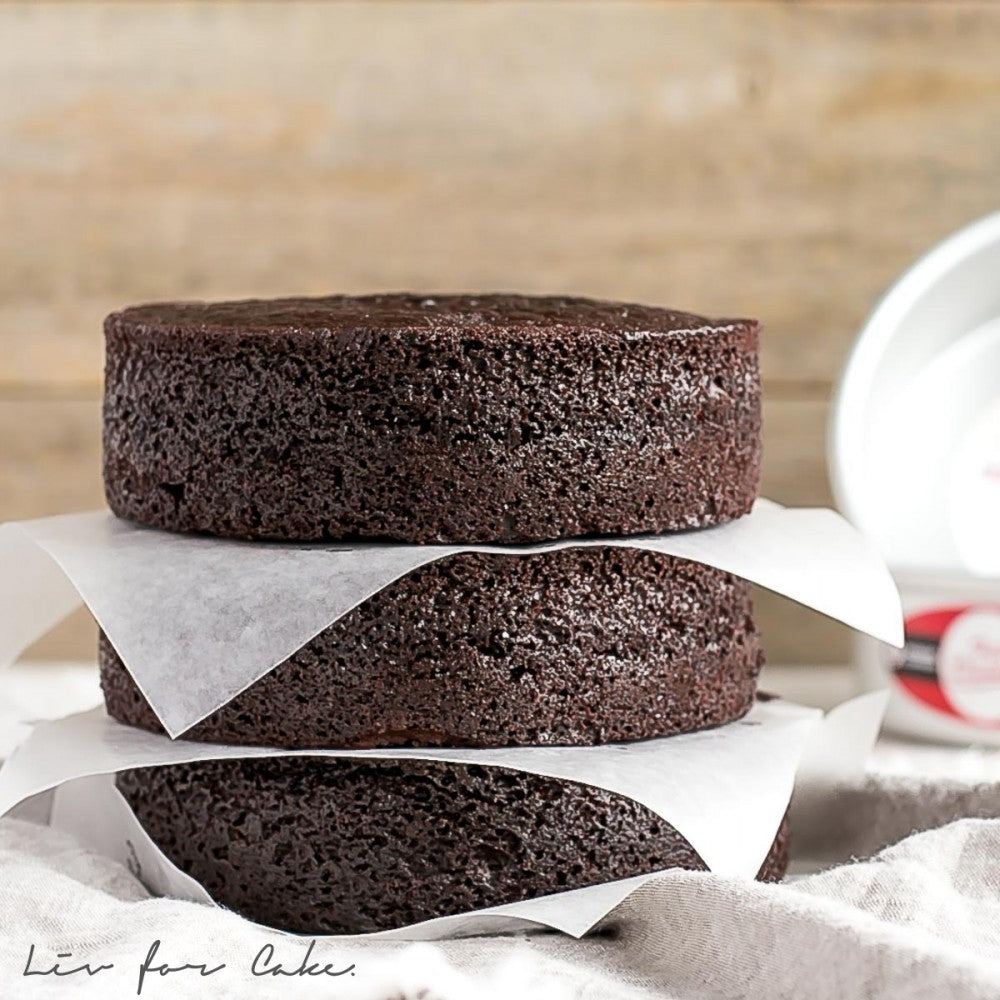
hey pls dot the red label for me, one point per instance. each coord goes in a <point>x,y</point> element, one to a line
<point>951,662</point>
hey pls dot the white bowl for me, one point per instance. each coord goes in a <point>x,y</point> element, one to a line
<point>914,452</point>
<point>917,414</point>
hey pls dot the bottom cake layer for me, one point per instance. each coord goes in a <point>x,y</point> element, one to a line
<point>325,845</point>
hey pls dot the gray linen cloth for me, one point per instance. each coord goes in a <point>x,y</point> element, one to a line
<point>919,918</point>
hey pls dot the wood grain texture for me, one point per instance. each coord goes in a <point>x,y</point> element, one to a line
<point>50,454</point>
<point>795,470</point>
<point>783,161</point>
<point>780,160</point>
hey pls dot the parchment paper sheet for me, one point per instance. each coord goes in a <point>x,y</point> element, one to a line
<point>197,620</point>
<point>724,790</point>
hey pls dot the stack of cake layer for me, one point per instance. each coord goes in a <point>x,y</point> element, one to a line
<point>458,419</point>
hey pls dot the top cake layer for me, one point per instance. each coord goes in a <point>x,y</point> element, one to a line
<point>492,418</point>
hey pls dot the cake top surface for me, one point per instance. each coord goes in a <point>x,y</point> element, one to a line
<point>404,311</point>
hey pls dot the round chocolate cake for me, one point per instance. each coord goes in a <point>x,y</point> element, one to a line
<point>572,646</point>
<point>496,418</point>
<point>318,845</point>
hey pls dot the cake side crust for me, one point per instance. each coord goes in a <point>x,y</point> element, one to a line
<point>317,846</point>
<point>517,419</point>
<point>573,646</point>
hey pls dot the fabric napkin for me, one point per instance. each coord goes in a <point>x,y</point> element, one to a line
<point>918,919</point>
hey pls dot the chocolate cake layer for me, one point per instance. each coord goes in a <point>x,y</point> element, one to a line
<point>448,418</point>
<point>317,845</point>
<point>572,646</point>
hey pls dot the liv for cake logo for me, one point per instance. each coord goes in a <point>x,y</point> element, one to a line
<point>155,966</point>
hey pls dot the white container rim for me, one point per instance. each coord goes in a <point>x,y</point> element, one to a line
<point>847,427</point>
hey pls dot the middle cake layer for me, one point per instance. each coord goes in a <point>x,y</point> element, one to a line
<point>572,646</point>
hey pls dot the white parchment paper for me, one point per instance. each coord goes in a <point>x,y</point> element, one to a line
<point>197,620</point>
<point>724,790</point>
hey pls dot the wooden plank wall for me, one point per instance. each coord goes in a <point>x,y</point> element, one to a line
<point>774,159</point>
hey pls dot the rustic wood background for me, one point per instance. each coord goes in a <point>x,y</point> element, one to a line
<point>780,160</point>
